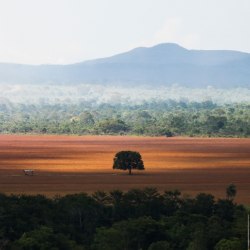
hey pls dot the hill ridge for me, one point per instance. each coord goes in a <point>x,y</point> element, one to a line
<point>162,64</point>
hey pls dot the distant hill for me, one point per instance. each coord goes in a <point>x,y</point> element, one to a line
<point>164,64</point>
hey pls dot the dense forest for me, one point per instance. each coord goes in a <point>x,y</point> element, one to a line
<point>139,219</point>
<point>155,118</point>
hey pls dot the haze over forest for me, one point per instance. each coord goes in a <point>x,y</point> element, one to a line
<point>177,72</point>
<point>162,90</point>
<point>162,72</point>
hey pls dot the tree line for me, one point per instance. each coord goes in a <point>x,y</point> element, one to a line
<point>139,219</point>
<point>157,118</point>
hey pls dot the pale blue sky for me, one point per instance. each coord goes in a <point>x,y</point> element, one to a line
<point>67,31</point>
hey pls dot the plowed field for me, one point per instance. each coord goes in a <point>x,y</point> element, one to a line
<point>69,164</point>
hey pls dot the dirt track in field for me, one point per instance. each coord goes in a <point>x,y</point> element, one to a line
<point>68,164</point>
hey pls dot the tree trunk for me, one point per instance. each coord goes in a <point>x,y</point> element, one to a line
<point>130,171</point>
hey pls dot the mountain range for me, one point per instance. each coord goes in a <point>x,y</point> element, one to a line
<point>161,65</point>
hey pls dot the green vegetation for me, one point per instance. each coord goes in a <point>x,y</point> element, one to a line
<point>231,191</point>
<point>128,160</point>
<point>155,119</point>
<point>136,219</point>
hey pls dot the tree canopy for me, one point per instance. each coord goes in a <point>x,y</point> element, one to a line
<point>231,191</point>
<point>159,118</point>
<point>137,219</point>
<point>128,160</point>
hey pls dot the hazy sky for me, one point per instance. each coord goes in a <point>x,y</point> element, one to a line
<point>66,31</point>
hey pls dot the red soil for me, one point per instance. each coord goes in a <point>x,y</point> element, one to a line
<point>69,164</point>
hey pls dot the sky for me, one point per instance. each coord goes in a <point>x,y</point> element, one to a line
<point>69,31</point>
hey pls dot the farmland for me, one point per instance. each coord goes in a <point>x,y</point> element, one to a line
<point>72,164</point>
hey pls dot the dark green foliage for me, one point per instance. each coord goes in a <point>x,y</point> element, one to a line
<point>128,160</point>
<point>132,234</point>
<point>162,118</point>
<point>111,126</point>
<point>231,244</point>
<point>138,219</point>
<point>172,202</point>
<point>224,209</point>
<point>204,204</point>
<point>44,238</point>
<point>160,245</point>
<point>231,191</point>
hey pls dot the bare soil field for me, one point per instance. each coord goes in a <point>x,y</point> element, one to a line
<point>72,164</point>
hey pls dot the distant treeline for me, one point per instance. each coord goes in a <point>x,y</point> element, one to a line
<point>157,118</point>
<point>138,219</point>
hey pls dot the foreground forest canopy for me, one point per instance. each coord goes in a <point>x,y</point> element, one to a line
<point>155,118</point>
<point>137,219</point>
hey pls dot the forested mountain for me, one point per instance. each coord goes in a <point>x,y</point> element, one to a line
<point>164,64</point>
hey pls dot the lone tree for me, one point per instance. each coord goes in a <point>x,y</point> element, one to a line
<point>231,191</point>
<point>128,160</point>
